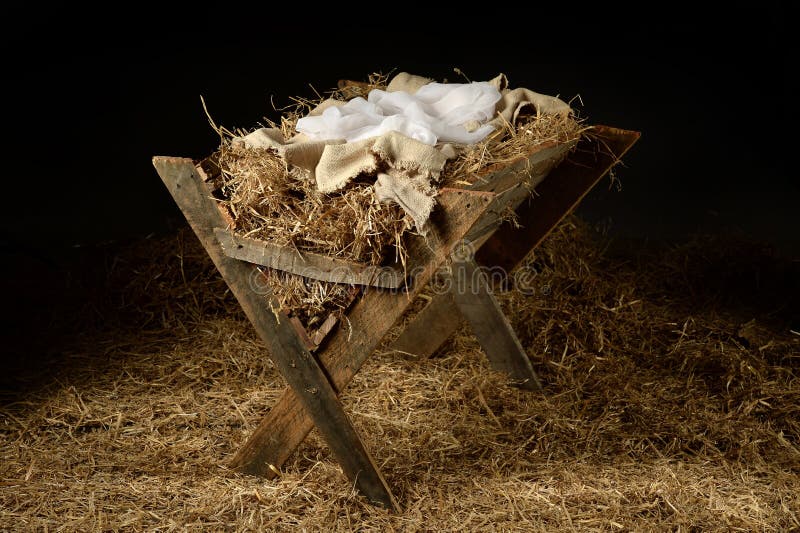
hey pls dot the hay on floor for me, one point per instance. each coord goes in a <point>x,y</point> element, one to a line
<point>671,402</point>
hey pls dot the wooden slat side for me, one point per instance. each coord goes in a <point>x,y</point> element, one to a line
<point>513,185</point>
<point>557,196</point>
<point>310,265</point>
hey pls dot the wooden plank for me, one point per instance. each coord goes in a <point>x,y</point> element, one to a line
<point>596,153</point>
<point>327,326</point>
<point>474,299</point>
<point>308,264</point>
<point>287,424</point>
<point>507,248</point>
<point>297,365</point>
<point>301,332</point>
<point>430,327</point>
<point>513,184</point>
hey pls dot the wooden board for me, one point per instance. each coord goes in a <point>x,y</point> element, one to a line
<point>474,299</point>
<point>514,184</point>
<point>307,264</point>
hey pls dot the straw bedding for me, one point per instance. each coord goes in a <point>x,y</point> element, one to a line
<point>271,202</point>
<point>672,402</point>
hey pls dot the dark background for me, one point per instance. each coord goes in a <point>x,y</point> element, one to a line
<point>91,96</point>
<point>93,99</point>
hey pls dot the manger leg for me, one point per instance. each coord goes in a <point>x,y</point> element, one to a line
<point>287,424</point>
<point>555,197</point>
<point>430,328</point>
<point>320,401</point>
<point>297,365</point>
<point>473,297</point>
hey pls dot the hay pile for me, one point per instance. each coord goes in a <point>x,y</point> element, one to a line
<point>271,202</point>
<point>672,402</point>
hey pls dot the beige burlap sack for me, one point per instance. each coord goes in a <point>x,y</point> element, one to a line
<point>334,164</point>
<point>408,194</point>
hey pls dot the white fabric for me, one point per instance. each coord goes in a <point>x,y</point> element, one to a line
<point>437,112</point>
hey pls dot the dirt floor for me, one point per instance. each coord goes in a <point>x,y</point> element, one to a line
<point>671,402</point>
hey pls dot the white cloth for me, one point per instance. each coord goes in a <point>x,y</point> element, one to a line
<point>437,112</point>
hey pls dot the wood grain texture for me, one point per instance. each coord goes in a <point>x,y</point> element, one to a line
<point>430,327</point>
<point>556,197</point>
<point>307,264</point>
<point>474,299</point>
<point>370,318</point>
<point>297,365</point>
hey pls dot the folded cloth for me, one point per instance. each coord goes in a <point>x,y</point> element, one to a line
<point>436,112</point>
<point>408,195</point>
<point>341,163</point>
<point>297,151</point>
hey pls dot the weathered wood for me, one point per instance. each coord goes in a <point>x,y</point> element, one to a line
<point>424,335</point>
<point>513,184</point>
<point>370,318</point>
<point>474,299</point>
<point>439,319</point>
<point>327,326</point>
<point>298,366</point>
<point>301,332</point>
<point>554,198</point>
<point>307,264</point>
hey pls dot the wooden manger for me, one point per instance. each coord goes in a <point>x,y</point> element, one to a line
<point>318,363</point>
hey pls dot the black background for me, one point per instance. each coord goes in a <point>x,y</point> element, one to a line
<point>94,95</point>
<point>91,96</point>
